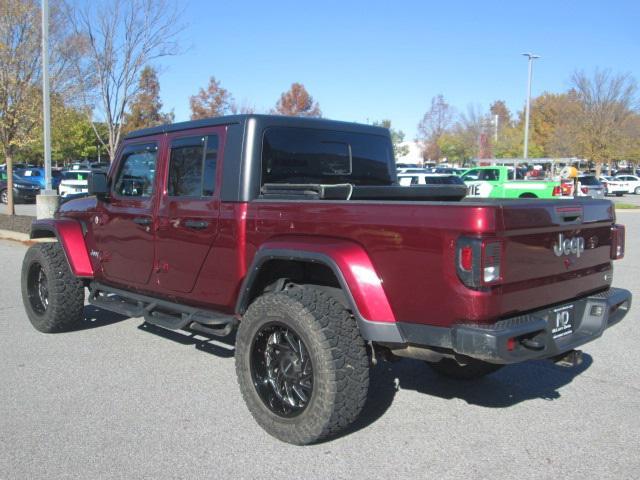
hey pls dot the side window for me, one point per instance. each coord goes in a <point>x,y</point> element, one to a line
<point>490,175</point>
<point>470,175</point>
<point>137,171</point>
<point>192,166</point>
<point>415,180</point>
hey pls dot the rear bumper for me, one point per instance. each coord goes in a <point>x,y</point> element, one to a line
<point>536,335</point>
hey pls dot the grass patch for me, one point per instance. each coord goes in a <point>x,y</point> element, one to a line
<point>626,206</point>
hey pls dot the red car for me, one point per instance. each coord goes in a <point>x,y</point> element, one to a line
<point>295,232</point>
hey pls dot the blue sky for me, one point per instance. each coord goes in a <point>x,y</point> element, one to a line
<point>369,60</point>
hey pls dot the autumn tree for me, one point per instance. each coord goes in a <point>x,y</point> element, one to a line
<point>607,102</point>
<point>433,125</point>
<point>297,102</point>
<point>499,109</point>
<point>214,101</point>
<point>397,137</point>
<point>121,36</point>
<point>21,73</point>
<point>146,107</point>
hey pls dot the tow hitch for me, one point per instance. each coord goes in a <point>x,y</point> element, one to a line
<point>572,358</point>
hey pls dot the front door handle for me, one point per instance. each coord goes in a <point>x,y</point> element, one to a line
<point>144,221</point>
<point>196,224</point>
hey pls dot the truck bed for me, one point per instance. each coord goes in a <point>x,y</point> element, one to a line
<point>412,247</point>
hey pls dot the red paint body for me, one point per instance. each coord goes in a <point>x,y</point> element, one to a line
<point>397,258</point>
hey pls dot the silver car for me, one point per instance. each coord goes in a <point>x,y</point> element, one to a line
<point>590,186</point>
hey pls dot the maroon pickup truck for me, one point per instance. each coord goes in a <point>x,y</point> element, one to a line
<point>295,232</point>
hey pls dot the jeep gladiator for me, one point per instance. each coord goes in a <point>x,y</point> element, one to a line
<point>295,232</point>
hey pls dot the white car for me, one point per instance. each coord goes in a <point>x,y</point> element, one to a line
<point>614,186</point>
<point>632,180</point>
<point>408,179</point>
<point>74,181</point>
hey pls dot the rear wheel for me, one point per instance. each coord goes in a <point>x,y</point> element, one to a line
<point>4,196</point>
<point>637,191</point>
<point>52,296</point>
<point>302,365</point>
<point>473,369</point>
<point>528,195</point>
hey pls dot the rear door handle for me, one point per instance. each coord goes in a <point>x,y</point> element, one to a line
<point>144,221</point>
<point>196,224</point>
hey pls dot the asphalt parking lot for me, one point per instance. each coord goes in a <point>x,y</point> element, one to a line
<point>118,399</point>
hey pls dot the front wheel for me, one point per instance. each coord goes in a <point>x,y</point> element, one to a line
<point>52,296</point>
<point>4,196</point>
<point>448,367</point>
<point>302,365</point>
<point>637,191</point>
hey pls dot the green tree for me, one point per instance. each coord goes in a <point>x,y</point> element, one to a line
<point>397,137</point>
<point>607,102</point>
<point>146,108</point>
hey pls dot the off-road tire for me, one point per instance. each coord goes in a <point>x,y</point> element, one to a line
<point>65,302</point>
<point>4,197</point>
<point>473,369</point>
<point>337,352</point>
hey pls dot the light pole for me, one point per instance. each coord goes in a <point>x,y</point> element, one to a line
<point>47,201</point>
<point>525,153</point>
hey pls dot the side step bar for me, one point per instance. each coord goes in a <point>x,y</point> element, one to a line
<point>169,315</point>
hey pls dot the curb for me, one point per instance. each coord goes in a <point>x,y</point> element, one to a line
<point>21,237</point>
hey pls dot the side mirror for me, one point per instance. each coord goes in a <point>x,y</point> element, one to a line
<point>98,185</point>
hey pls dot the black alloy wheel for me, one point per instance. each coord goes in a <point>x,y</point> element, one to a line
<point>38,288</point>
<point>282,370</point>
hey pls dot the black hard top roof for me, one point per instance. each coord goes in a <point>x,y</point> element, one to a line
<point>262,121</point>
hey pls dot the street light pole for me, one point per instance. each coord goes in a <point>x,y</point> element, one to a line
<point>525,153</point>
<point>45,94</point>
<point>47,201</point>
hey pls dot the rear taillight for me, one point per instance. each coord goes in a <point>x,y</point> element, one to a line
<point>479,261</point>
<point>584,190</point>
<point>567,189</point>
<point>557,191</point>
<point>617,241</point>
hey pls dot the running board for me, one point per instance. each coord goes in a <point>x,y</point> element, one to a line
<point>169,315</point>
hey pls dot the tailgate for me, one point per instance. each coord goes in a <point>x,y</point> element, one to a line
<point>555,250</point>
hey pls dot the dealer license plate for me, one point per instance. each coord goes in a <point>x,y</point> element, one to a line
<point>562,321</point>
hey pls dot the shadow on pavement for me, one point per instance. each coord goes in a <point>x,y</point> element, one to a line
<point>507,387</point>
<point>95,317</point>
<point>218,346</point>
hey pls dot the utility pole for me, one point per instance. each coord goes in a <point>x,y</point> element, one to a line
<point>47,202</point>
<point>525,153</point>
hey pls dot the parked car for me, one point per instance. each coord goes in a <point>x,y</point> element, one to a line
<point>24,191</point>
<point>614,186</point>
<point>590,186</point>
<point>632,180</point>
<point>74,181</point>
<point>413,170</point>
<point>37,175</point>
<point>294,232</point>
<point>407,179</point>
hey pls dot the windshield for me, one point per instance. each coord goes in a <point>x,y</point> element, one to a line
<point>75,176</point>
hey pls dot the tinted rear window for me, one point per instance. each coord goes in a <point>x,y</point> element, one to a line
<point>443,180</point>
<point>301,155</point>
<point>592,181</point>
